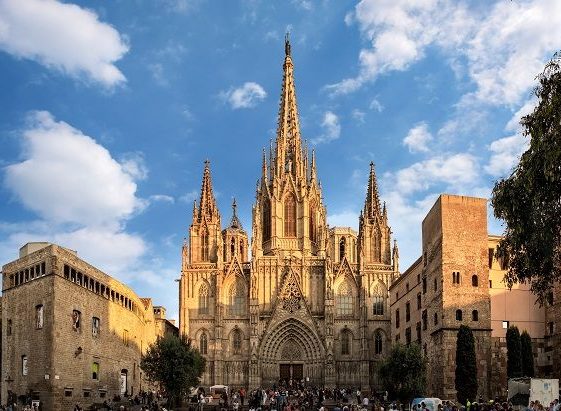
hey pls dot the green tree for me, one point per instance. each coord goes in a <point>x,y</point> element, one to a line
<point>528,200</point>
<point>403,373</point>
<point>173,363</point>
<point>527,354</point>
<point>514,353</point>
<point>466,366</point>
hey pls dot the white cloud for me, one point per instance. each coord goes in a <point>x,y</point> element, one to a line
<point>503,45</point>
<point>456,172</point>
<point>67,177</point>
<point>417,138</point>
<point>157,71</point>
<point>358,115</point>
<point>506,153</point>
<point>162,198</point>
<point>190,196</point>
<point>134,165</point>
<point>303,4</point>
<point>331,128</point>
<point>514,122</point>
<point>376,105</point>
<point>64,37</point>
<point>246,96</point>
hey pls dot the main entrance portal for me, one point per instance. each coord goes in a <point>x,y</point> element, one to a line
<point>291,372</point>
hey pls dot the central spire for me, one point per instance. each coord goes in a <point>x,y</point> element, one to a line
<point>288,151</point>
<point>372,203</point>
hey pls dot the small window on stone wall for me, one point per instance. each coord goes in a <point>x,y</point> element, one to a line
<point>505,325</point>
<point>458,315</point>
<point>39,316</point>
<point>474,280</point>
<point>76,320</point>
<point>95,371</point>
<point>475,315</point>
<point>9,328</point>
<point>86,394</point>
<point>95,326</point>
<point>435,318</point>
<point>24,369</point>
<point>68,392</point>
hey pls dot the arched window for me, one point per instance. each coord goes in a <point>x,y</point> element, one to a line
<point>203,344</point>
<point>232,248</point>
<point>474,280</point>
<point>458,315</point>
<point>378,297</point>
<point>312,222</point>
<point>266,220</point>
<point>475,315</point>
<point>342,245</point>
<point>237,298</point>
<point>204,245</point>
<point>236,342</point>
<point>456,277</point>
<point>290,216</point>
<point>344,299</point>
<point>241,250</point>
<point>203,299</point>
<point>418,301</point>
<point>378,343</point>
<point>376,247</point>
<point>345,342</point>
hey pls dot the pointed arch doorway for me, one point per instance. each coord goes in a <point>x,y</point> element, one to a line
<point>292,351</point>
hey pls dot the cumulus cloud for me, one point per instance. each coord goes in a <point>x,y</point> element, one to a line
<point>246,96</point>
<point>67,177</point>
<point>64,37</point>
<point>376,105</point>
<point>417,138</point>
<point>164,198</point>
<point>455,172</point>
<point>331,128</point>
<point>505,154</point>
<point>503,45</point>
<point>358,115</point>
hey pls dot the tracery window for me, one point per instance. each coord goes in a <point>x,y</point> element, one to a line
<point>203,344</point>
<point>345,342</point>
<point>344,299</point>
<point>266,220</point>
<point>378,343</point>
<point>237,298</point>
<point>203,299</point>
<point>204,245</point>
<point>290,216</point>
<point>378,307</point>
<point>236,342</point>
<point>232,248</point>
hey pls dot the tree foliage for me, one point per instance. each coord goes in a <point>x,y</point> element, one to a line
<point>403,373</point>
<point>173,363</point>
<point>466,366</point>
<point>529,201</point>
<point>514,353</point>
<point>527,354</point>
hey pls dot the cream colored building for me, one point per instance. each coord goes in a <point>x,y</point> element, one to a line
<point>312,301</point>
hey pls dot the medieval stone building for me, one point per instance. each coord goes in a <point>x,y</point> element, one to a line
<point>312,301</point>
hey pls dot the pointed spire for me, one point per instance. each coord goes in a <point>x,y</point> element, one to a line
<point>207,203</point>
<point>194,210</point>
<point>264,167</point>
<point>235,222</point>
<point>313,172</point>
<point>288,153</point>
<point>372,203</point>
<point>395,256</point>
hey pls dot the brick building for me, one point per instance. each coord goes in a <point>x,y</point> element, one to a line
<point>71,334</point>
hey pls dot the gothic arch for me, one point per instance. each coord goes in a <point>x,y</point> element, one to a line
<point>292,330</point>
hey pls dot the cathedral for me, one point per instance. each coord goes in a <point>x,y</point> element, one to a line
<point>306,301</point>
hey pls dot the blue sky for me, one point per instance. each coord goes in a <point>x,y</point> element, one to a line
<point>108,110</point>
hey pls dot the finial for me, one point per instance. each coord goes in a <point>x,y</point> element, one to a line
<point>234,206</point>
<point>287,43</point>
<point>207,163</point>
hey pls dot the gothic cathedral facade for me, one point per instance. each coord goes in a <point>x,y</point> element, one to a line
<point>307,302</point>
